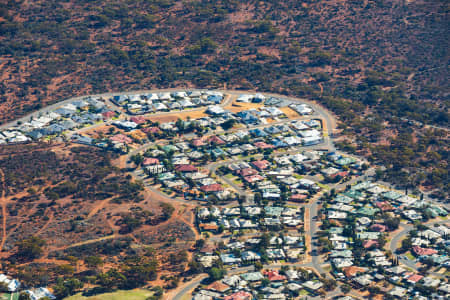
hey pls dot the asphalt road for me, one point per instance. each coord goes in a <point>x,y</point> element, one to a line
<point>395,242</point>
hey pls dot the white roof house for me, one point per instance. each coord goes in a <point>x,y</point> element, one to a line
<point>164,96</point>
<point>312,285</point>
<point>159,106</point>
<point>309,133</point>
<point>40,293</point>
<point>215,110</point>
<point>250,256</point>
<point>11,284</point>
<point>244,98</point>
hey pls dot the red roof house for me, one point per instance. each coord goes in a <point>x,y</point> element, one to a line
<point>151,129</point>
<point>198,143</point>
<point>415,278</point>
<point>212,188</point>
<point>423,251</point>
<point>138,119</point>
<point>298,197</point>
<point>352,271</point>
<point>378,228</point>
<point>218,286</point>
<point>253,178</point>
<point>148,161</point>
<point>241,295</point>
<point>384,206</point>
<point>262,145</point>
<point>273,275</point>
<point>370,243</point>
<point>261,164</point>
<point>247,172</point>
<point>341,174</point>
<point>216,140</point>
<point>121,138</point>
<point>108,114</point>
<point>186,168</point>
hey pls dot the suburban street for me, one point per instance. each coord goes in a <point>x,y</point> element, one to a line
<point>395,244</point>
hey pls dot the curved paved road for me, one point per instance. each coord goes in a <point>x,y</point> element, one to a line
<point>395,241</point>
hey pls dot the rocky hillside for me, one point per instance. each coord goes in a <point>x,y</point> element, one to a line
<point>54,49</point>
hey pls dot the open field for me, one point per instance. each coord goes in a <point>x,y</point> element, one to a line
<point>137,294</point>
<point>7,296</point>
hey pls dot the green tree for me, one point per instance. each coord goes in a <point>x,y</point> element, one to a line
<point>112,278</point>
<point>93,261</point>
<point>346,288</point>
<point>137,159</point>
<point>167,210</point>
<point>195,267</point>
<point>406,244</point>
<point>216,273</point>
<point>29,249</point>
<point>65,288</point>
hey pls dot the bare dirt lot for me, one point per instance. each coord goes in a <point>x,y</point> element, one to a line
<point>178,115</point>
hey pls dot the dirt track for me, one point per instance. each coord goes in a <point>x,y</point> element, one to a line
<point>4,216</point>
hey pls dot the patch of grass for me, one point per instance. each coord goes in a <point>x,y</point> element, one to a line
<point>323,186</point>
<point>237,181</point>
<point>137,294</point>
<point>303,292</point>
<point>410,256</point>
<point>8,296</point>
<point>298,176</point>
<point>229,176</point>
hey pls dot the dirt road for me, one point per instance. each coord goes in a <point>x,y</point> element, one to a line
<point>4,215</point>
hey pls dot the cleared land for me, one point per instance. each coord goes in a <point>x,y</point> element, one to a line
<point>178,115</point>
<point>289,112</point>
<point>240,106</point>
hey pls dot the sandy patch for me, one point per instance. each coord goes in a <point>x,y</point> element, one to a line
<point>289,112</point>
<point>240,106</point>
<point>178,115</point>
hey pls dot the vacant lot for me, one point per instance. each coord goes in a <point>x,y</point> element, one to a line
<point>240,106</point>
<point>289,112</point>
<point>178,115</point>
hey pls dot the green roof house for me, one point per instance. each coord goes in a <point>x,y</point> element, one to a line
<point>367,211</point>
